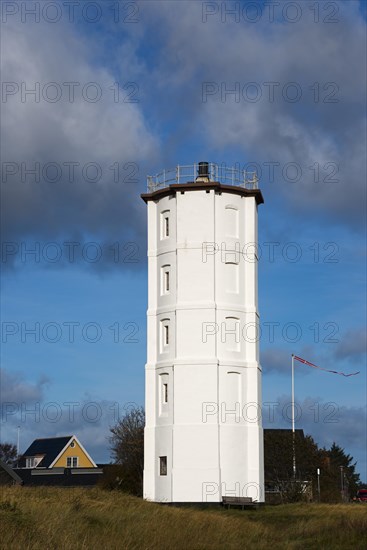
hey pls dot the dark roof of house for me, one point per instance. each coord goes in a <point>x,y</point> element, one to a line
<point>51,447</point>
<point>10,472</point>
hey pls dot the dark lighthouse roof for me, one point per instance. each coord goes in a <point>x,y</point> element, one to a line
<point>203,176</point>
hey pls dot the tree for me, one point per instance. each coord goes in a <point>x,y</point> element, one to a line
<point>337,468</point>
<point>338,472</point>
<point>278,463</point>
<point>8,453</point>
<point>127,446</point>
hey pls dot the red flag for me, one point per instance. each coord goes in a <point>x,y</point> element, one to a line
<point>320,368</point>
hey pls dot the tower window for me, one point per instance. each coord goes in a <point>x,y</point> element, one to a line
<point>166,281</point>
<point>166,335</point>
<point>163,394</point>
<point>162,465</point>
<point>165,224</point>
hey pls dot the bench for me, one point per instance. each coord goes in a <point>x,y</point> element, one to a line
<point>238,501</point>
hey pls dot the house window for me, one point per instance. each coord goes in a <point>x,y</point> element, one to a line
<point>165,393</point>
<point>72,444</point>
<point>162,465</point>
<point>30,462</point>
<point>72,462</point>
<point>166,226</point>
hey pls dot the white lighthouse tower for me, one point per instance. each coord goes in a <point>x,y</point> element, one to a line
<point>203,435</point>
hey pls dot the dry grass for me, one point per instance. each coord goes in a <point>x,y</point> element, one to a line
<point>53,518</point>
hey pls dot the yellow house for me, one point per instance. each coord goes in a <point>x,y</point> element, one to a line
<point>57,452</point>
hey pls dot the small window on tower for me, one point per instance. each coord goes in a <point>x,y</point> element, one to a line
<point>163,394</point>
<point>166,226</point>
<point>162,465</point>
<point>166,335</point>
<point>166,281</point>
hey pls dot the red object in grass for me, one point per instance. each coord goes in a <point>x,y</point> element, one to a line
<point>362,495</point>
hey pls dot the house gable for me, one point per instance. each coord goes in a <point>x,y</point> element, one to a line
<point>54,451</point>
<point>73,449</point>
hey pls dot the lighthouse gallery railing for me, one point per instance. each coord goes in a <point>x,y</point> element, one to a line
<point>217,172</point>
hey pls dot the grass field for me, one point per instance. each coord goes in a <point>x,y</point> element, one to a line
<point>54,518</point>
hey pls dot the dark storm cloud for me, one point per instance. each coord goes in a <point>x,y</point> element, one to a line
<point>326,422</point>
<point>278,360</point>
<point>325,128</point>
<point>26,405</point>
<point>72,169</point>
<point>353,346</point>
<point>14,388</point>
<point>169,71</point>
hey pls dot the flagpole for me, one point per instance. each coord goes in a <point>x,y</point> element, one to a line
<point>18,451</point>
<point>293,422</point>
<point>293,403</point>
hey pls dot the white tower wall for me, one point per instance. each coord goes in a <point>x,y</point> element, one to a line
<point>203,391</point>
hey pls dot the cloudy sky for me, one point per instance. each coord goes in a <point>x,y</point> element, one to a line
<point>95,96</point>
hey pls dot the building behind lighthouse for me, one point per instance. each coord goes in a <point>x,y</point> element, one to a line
<point>203,434</point>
